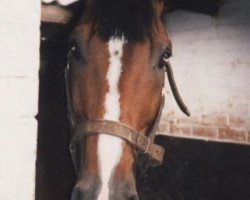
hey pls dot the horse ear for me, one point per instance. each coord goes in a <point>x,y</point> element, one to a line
<point>159,7</point>
<point>55,14</point>
<point>61,13</point>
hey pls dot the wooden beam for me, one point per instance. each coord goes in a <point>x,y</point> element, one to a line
<point>55,14</point>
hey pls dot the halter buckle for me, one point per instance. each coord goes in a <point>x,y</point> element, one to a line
<point>142,143</point>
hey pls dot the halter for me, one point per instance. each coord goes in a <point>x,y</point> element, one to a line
<point>138,139</point>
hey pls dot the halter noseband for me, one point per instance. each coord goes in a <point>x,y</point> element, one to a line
<point>138,139</point>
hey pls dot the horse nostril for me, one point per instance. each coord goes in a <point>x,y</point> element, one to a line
<point>134,197</point>
<point>77,194</point>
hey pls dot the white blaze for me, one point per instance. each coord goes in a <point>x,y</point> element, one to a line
<point>109,147</point>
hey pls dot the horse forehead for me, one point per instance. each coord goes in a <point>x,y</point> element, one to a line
<point>99,51</point>
<point>83,34</point>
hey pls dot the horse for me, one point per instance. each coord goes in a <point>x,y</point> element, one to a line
<point>118,54</point>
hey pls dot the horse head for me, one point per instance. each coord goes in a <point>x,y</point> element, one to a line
<point>118,56</point>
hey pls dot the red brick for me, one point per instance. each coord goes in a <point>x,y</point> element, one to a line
<point>164,127</point>
<point>239,122</point>
<point>232,134</point>
<point>248,137</point>
<point>168,117</point>
<point>180,129</point>
<point>205,131</point>
<point>214,119</point>
<point>189,120</point>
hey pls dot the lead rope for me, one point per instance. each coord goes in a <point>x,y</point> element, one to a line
<point>174,88</point>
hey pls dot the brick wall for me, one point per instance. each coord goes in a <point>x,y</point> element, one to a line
<point>19,63</point>
<point>211,64</point>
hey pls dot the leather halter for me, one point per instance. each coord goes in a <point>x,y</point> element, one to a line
<point>138,139</point>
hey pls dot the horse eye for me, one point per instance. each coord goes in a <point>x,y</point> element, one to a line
<point>165,59</point>
<point>166,55</point>
<point>74,51</point>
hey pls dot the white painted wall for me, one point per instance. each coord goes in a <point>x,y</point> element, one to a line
<point>211,63</point>
<point>19,65</point>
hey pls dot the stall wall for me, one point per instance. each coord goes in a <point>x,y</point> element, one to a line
<point>211,63</point>
<point>19,65</point>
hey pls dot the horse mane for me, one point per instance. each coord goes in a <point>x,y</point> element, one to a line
<point>131,19</point>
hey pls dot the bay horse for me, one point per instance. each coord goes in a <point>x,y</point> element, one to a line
<point>117,59</point>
